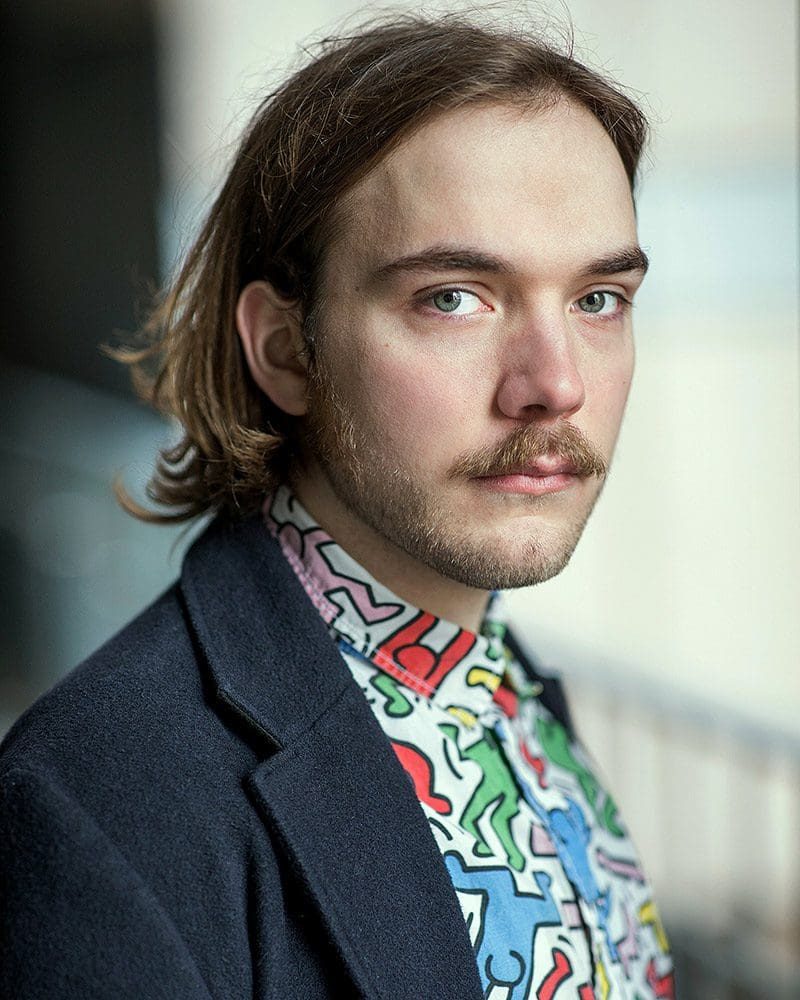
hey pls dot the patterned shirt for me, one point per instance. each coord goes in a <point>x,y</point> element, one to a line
<point>548,880</point>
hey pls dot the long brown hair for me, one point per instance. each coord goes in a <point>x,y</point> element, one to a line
<point>309,142</point>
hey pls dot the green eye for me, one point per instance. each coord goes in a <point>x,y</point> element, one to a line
<point>448,300</point>
<point>455,302</point>
<point>599,303</point>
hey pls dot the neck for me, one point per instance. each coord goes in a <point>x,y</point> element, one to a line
<point>401,573</point>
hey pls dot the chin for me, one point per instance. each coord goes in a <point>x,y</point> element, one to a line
<point>498,566</point>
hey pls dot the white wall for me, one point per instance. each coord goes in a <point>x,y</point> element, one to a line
<point>688,573</point>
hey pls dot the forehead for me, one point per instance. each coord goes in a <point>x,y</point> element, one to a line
<point>540,188</point>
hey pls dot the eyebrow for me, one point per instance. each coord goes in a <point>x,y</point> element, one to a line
<point>447,258</point>
<point>441,258</point>
<point>630,259</point>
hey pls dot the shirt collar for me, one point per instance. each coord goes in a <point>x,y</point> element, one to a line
<point>451,666</point>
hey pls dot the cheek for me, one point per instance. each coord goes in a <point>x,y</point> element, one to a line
<point>609,396</point>
<point>423,408</point>
<point>623,379</point>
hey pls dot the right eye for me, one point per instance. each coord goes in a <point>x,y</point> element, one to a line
<point>456,301</point>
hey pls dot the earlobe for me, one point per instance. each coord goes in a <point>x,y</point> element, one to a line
<point>270,328</point>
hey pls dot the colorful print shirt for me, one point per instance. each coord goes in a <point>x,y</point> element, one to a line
<point>549,884</point>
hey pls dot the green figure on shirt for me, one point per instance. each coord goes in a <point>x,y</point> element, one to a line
<point>397,705</point>
<point>497,785</point>
<point>555,742</point>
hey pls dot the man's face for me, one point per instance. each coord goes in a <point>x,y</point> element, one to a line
<point>475,350</point>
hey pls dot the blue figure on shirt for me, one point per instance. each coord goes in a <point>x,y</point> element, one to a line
<point>571,835</point>
<point>509,921</point>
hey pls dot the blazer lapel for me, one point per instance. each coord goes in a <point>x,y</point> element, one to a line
<point>330,786</point>
<point>350,818</point>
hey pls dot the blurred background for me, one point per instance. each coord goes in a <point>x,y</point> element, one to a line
<point>677,624</point>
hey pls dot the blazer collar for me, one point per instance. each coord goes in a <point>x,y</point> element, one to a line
<point>268,652</point>
<point>330,785</point>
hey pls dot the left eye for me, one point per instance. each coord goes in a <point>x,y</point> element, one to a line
<point>456,301</point>
<point>600,303</point>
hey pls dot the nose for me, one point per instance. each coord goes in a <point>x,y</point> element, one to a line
<point>542,378</point>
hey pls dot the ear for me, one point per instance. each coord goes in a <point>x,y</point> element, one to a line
<point>270,329</point>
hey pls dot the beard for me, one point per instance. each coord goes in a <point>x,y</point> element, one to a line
<point>423,521</point>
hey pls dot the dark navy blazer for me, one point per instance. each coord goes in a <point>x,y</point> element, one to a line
<point>207,807</point>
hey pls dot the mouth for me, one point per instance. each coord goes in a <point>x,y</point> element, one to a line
<point>533,460</point>
<point>543,475</point>
<point>545,465</point>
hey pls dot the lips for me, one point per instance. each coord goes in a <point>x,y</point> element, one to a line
<point>546,465</point>
<point>530,483</point>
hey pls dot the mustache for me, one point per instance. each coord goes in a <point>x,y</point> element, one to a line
<point>524,445</point>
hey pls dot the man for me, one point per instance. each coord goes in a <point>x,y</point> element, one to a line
<point>318,766</point>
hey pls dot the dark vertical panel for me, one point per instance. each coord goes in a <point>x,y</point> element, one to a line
<point>78,188</point>
<point>78,204</point>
